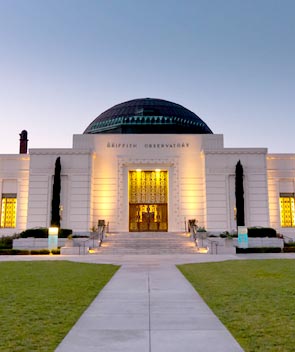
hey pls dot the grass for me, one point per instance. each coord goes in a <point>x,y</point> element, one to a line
<point>255,299</point>
<point>41,301</point>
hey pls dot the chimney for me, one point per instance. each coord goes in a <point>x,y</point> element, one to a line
<point>23,142</point>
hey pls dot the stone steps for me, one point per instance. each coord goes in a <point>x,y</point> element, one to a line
<point>146,243</point>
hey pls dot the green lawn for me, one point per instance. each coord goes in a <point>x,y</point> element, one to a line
<point>255,299</point>
<point>40,301</point>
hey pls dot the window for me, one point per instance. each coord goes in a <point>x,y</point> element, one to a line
<point>287,208</point>
<point>8,210</point>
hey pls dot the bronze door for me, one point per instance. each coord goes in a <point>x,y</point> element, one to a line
<point>148,217</point>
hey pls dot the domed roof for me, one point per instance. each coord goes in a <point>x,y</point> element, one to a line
<point>147,116</point>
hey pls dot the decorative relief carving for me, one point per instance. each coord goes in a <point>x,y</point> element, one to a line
<point>148,187</point>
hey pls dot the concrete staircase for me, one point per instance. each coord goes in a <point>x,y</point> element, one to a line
<point>146,243</point>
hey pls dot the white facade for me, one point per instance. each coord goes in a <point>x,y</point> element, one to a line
<point>94,181</point>
<point>14,179</point>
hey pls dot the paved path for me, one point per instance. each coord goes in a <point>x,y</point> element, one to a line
<point>148,308</point>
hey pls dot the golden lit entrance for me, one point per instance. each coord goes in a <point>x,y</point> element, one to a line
<point>148,198</point>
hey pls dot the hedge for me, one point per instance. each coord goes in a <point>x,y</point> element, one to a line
<point>40,251</point>
<point>261,232</point>
<point>258,250</point>
<point>64,233</point>
<point>289,249</point>
<point>42,232</point>
<point>14,252</point>
<point>6,241</point>
<point>44,251</point>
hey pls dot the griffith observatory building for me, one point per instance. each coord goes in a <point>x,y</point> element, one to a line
<point>147,165</point>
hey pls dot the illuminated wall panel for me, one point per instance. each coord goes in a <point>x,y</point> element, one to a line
<point>148,187</point>
<point>8,211</point>
<point>287,210</point>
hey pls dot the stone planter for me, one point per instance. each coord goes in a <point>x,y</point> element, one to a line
<point>229,242</point>
<point>202,234</point>
<point>69,242</point>
<point>202,242</point>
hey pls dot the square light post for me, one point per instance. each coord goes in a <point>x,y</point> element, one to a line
<point>53,238</point>
<point>243,241</point>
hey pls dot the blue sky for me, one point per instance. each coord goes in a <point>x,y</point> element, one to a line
<point>232,62</point>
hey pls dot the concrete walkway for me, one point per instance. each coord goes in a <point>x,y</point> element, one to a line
<point>148,308</point>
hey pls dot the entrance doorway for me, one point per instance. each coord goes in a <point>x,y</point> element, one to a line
<point>148,194</point>
<point>148,217</point>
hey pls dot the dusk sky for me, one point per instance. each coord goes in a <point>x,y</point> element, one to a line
<point>232,62</point>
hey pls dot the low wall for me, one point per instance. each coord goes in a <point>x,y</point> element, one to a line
<point>74,250</point>
<point>34,243</point>
<point>217,245</point>
<point>221,246</point>
<point>256,242</point>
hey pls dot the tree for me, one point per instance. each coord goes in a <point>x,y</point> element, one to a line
<point>239,190</point>
<point>55,204</point>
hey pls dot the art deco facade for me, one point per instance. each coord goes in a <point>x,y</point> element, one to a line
<point>147,165</point>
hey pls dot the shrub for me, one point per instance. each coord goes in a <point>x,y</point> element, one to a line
<point>40,251</point>
<point>6,241</point>
<point>226,234</point>
<point>289,244</point>
<point>55,251</point>
<point>14,252</point>
<point>289,247</point>
<point>64,233</point>
<point>261,232</point>
<point>258,250</point>
<point>42,232</point>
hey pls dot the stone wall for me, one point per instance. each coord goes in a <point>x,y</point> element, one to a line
<point>34,243</point>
